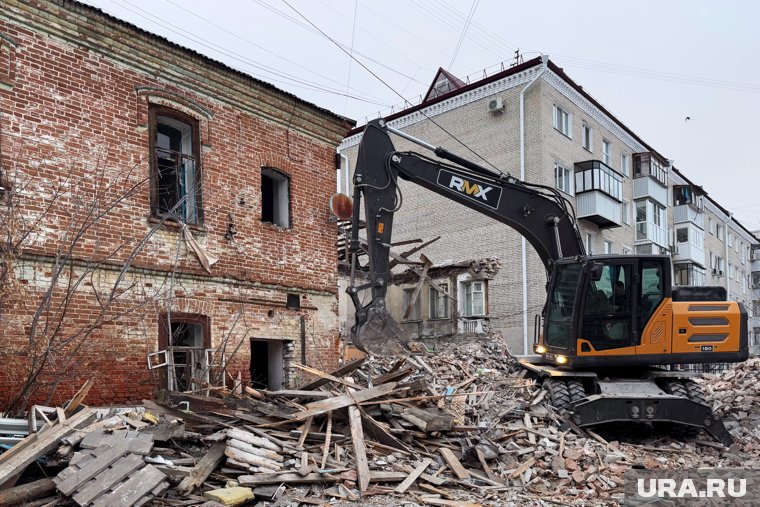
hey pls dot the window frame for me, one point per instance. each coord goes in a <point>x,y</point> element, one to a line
<point>606,152</point>
<point>469,311</point>
<point>587,137</point>
<point>154,112</point>
<point>283,178</point>
<point>566,178</point>
<point>625,164</point>
<point>563,127</point>
<point>438,302</point>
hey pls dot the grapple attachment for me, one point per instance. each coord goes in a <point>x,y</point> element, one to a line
<point>378,334</point>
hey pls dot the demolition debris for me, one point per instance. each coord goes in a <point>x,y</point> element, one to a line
<point>460,426</point>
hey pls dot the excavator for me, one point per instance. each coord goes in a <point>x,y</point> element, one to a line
<point>612,329</point>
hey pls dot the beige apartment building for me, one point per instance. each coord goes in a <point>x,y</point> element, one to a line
<point>535,123</point>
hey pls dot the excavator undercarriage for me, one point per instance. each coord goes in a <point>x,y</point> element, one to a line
<point>647,395</point>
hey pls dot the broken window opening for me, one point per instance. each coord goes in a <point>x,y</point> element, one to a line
<point>175,191</point>
<point>266,364</point>
<point>186,339</point>
<point>275,197</point>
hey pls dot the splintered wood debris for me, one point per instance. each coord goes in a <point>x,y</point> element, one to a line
<point>463,425</point>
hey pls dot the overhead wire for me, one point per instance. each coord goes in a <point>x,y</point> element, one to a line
<point>393,89</point>
<point>285,78</point>
<point>464,32</point>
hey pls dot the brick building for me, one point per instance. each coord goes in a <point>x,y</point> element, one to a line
<point>537,124</point>
<point>127,160</point>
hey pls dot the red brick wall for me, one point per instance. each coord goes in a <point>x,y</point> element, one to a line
<point>74,114</point>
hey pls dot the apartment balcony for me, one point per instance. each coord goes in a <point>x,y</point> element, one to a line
<point>472,325</point>
<point>688,213</point>
<point>687,252</point>
<point>648,232</point>
<point>598,194</point>
<point>650,188</point>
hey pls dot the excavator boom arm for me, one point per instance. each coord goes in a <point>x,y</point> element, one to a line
<point>538,213</point>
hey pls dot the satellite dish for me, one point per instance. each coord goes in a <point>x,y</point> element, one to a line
<point>341,206</point>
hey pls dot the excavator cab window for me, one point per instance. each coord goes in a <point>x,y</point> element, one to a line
<point>561,306</point>
<point>608,312</point>
<point>652,292</point>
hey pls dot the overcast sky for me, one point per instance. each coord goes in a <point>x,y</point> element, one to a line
<point>651,63</point>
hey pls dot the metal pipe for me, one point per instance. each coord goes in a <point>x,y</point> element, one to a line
<point>523,243</point>
<point>347,173</point>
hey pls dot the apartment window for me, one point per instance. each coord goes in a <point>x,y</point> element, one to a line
<point>562,121</point>
<point>185,338</point>
<point>730,271</point>
<point>711,225</point>
<point>624,167</point>
<point>641,220</point>
<point>682,235</point>
<point>606,152</point>
<point>589,243</point>
<point>439,303</point>
<point>587,137</point>
<point>413,312</point>
<point>730,239</point>
<point>175,166</point>
<point>474,299</point>
<point>719,232</point>
<point>275,197</point>
<point>607,247</point>
<point>562,178</point>
<point>626,212</point>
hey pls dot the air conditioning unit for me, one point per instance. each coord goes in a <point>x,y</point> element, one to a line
<point>720,273</point>
<point>714,271</point>
<point>496,105</point>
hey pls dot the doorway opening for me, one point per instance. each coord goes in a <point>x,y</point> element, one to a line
<point>266,364</point>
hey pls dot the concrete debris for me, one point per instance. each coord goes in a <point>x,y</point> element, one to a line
<point>463,425</point>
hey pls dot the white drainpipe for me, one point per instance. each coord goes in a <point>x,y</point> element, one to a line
<point>524,247</point>
<point>347,173</point>
<point>725,263</point>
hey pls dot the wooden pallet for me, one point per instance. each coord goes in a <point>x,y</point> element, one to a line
<point>113,473</point>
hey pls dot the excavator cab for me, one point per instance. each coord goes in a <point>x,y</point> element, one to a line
<point>601,304</point>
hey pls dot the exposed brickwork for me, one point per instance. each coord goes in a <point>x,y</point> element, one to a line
<point>75,109</point>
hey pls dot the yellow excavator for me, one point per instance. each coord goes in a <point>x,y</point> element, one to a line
<point>607,320</point>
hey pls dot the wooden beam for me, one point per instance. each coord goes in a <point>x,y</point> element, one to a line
<point>401,488</point>
<point>454,463</point>
<point>344,400</point>
<point>360,450</point>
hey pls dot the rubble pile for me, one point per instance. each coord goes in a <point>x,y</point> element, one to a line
<point>735,397</point>
<point>462,425</point>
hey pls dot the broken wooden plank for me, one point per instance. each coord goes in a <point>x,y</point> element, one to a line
<point>251,449</point>
<point>326,447</point>
<point>522,468</point>
<point>252,439</point>
<point>40,444</point>
<point>294,478</point>
<point>340,372</point>
<point>130,491</point>
<point>105,480</point>
<point>454,463</point>
<point>251,459</point>
<point>360,450</point>
<point>142,445</point>
<point>203,469</point>
<point>401,488</point>
<point>378,431</point>
<point>344,400</point>
<point>428,421</point>
<point>104,458</point>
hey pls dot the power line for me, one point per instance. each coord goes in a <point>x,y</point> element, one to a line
<point>464,32</point>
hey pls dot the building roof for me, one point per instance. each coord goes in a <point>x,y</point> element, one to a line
<point>90,11</point>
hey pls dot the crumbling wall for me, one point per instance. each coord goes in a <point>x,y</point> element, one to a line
<point>76,148</point>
